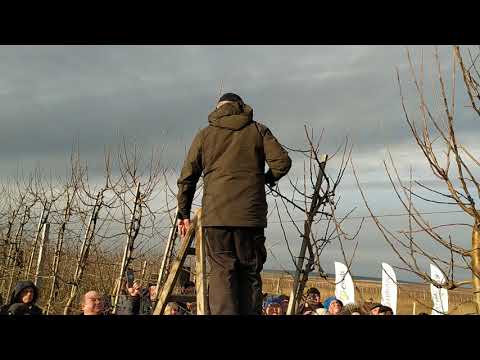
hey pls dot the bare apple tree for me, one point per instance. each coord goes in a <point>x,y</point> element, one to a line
<point>436,133</point>
<point>314,195</point>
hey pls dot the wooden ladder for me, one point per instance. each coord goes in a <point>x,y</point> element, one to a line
<point>165,296</point>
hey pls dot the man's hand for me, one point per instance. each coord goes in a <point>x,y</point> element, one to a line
<point>269,179</point>
<point>183,226</point>
<point>271,185</point>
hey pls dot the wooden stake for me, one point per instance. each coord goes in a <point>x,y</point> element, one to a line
<point>38,281</point>
<point>200,267</point>
<point>41,222</point>
<point>144,269</point>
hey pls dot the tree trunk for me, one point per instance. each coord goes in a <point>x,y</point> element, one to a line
<point>301,274</point>
<point>56,256</point>
<point>8,258</point>
<point>15,253</point>
<point>84,251</point>
<point>14,273</point>
<point>475,262</point>
<point>127,254</point>
<point>9,267</point>
<point>56,263</point>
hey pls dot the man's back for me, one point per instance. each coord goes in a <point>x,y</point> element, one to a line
<point>231,152</point>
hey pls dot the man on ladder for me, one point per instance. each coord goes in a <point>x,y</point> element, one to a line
<point>231,154</point>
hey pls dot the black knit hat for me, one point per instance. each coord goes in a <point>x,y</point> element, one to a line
<point>231,97</point>
<point>312,291</point>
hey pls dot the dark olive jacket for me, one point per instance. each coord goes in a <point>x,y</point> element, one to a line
<point>15,305</point>
<point>231,154</point>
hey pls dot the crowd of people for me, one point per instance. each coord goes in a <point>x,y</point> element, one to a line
<point>312,305</point>
<point>134,300</point>
<point>139,300</point>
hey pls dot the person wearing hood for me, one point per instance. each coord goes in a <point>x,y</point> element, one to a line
<point>22,301</point>
<point>312,302</point>
<point>231,153</point>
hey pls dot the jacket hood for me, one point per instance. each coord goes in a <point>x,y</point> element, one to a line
<point>18,289</point>
<point>231,116</point>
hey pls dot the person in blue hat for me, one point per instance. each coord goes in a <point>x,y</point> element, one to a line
<point>273,305</point>
<point>333,305</point>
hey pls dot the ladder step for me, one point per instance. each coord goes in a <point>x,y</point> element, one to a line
<point>182,298</point>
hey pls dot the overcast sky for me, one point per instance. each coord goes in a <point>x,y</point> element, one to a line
<point>161,95</point>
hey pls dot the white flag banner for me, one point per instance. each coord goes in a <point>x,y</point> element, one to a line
<point>389,287</point>
<point>439,295</point>
<point>344,289</point>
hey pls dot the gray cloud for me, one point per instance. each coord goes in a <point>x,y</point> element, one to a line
<point>53,94</point>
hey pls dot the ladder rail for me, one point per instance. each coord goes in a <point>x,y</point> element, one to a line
<point>174,272</point>
<point>172,236</point>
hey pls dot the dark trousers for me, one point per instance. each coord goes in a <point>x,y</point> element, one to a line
<point>236,256</point>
